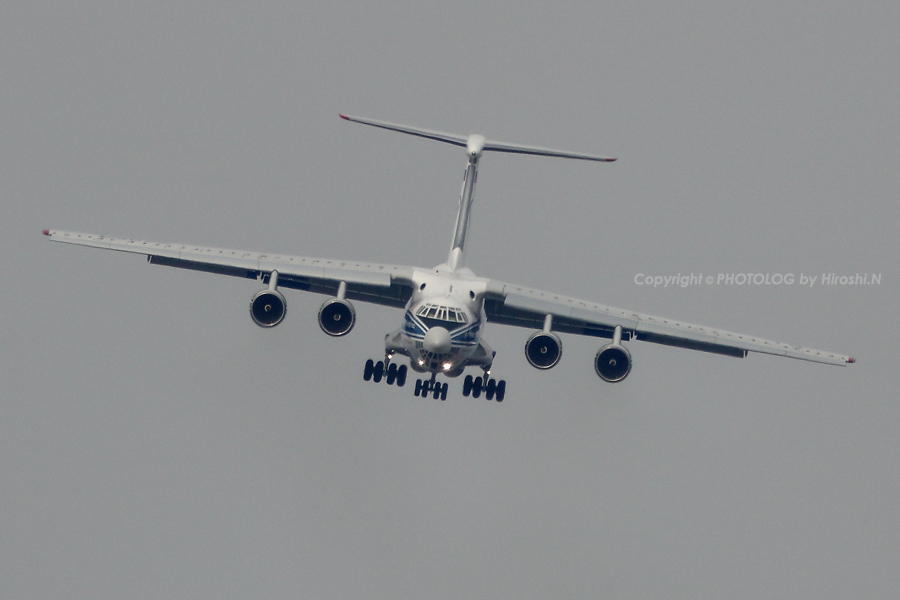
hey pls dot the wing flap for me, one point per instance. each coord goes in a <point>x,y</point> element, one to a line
<point>677,342</point>
<point>200,266</point>
<point>396,295</point>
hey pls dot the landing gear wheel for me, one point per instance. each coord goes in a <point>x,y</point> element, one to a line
<point>501,390</point>
<point>444,389</point>
<point>379,372</point>
<point>467,386</point>
<point>489,389</point>
<point>367,372</point>
<point>401,376</point>
<point>437,391</point>
<point>476,388</point>
<point>418,387</point>
<point>391,374</point>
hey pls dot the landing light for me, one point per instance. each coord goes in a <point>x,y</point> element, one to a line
<point>447,366</point>
<point>421,362</point>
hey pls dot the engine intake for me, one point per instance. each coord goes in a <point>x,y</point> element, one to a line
<point>613,363</point>
<point>267,308</point>
<point>337,317</point>
<point>543,350</point>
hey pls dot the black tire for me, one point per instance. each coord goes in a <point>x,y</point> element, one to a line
<point>490,389</point>
<point>379,372</point>
<point>476,388</point>
<point>391,374</point>
<point>444,389</point>
<point>367,372</point>
<point>501,390</point>
<point>401,376</point>
<point>418,387</point>
<point>467,386</point>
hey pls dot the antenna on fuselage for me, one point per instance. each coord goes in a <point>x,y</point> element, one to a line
<point>475,145</point>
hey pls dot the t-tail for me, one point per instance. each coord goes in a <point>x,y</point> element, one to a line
<point>475,145</point>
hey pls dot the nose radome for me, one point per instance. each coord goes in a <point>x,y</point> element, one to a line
<point>437,340</point>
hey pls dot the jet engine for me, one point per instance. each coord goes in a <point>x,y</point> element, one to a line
<point>543,350</point>
<point>337,317</point>
<point>613,363</point>
<point>267,308</point>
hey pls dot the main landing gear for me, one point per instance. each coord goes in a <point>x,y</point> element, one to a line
<point>436,389</point>
<point>491,388</point>
<point>376,371</point>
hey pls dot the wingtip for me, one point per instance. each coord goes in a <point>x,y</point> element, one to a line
<point>345,117</point>
<point>46,232</point>
<point>851,360</point>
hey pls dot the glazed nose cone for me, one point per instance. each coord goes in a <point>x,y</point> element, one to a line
<point>437,340</point>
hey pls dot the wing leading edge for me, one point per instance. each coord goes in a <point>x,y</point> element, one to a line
<point>515,305</point>
<point>389,285</point>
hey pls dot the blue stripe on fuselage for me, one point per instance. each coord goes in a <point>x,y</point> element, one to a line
<point>464,336</point>
<point>413,326</point>
<point>467,335</point>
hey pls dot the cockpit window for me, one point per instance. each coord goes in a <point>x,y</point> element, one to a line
<point>442,313</point>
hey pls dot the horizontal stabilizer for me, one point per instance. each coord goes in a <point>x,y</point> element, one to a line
<point>518,149</point>
<point>489,145</point>
<point>456,140</point>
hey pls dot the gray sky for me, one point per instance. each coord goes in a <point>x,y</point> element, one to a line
<point>155,443</point>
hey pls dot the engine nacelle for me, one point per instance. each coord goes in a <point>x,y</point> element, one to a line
<point>612,363</point>
<point>543,350</point>
<point>337,317</point>
<point>267,308</point>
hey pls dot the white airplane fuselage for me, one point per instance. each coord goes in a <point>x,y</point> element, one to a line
<point>443,323</point>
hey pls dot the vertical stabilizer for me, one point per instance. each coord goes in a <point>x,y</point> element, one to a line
<point>475,144</point>
<point>474,147</point>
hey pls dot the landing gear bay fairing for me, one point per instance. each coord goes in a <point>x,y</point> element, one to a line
<point>446,308</point>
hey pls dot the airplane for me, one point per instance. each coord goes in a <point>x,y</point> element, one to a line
<point>446,308</point>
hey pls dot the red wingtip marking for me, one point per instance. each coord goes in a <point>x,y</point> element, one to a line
<point>851,360</point>
<point>344,117</point>
<point>46,232</point>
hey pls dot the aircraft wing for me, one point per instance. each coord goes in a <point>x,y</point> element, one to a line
<point>389,285</point>
<point>523,307</point>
